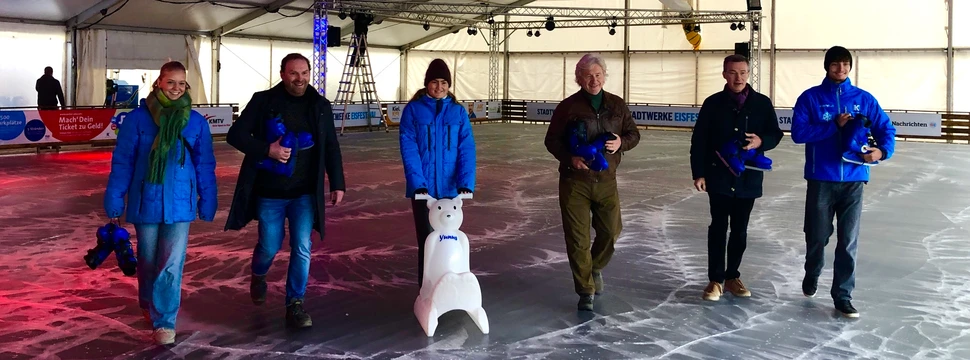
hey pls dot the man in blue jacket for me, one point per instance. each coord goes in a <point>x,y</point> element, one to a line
<point>835,185</point>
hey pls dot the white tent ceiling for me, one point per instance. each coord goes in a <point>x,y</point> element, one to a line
<point>293,20</point>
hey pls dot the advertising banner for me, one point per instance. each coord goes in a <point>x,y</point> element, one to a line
<point>915,124</point>
<point>494,109</point>
<point>81,125</point>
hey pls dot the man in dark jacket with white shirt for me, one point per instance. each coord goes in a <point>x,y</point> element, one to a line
<point>737,111</point>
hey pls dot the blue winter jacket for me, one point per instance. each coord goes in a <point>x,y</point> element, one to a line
<point>188,189</point>
<point>814,124</point>
<point>438,151</point>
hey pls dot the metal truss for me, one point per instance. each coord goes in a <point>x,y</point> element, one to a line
<point>493,62</point>
<point>755,46</point>
<point>483,16</point>
<point>563,17</point>
<point>320,25</point>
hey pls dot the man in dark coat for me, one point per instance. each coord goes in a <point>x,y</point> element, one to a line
<point>269,197</point>
<point>49,91</point>
<point>736,112</point>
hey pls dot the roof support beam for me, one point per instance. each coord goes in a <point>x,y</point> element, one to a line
<point>90,12</point>
<point>347,31</point>
<point>237,23</point>
<point>499,10</point>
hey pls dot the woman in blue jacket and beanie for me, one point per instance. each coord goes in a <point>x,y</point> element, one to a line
<point>437,148</point>
<point>164,162</point>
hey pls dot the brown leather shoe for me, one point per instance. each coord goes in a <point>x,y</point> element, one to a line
<point>736,287</point>
<point>713,291</point>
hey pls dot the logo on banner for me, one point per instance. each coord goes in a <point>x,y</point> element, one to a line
<point>12,124</point>
<point>396,111</point>
<point>215,121</point>
<point>116,122</point>
<point>932,124</point>
<point>35,130</point>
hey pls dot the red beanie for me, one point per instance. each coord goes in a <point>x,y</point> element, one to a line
<point>437,70</point>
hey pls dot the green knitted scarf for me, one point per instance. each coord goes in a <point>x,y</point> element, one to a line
<point>171,117</point>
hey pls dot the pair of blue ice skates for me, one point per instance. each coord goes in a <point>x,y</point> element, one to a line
<point>737,159</point>
<point>858,140</point>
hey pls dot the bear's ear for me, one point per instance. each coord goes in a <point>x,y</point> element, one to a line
<point>432,202</point>
<point>457,201</point>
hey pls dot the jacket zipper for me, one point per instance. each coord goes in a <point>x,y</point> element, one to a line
<point>429,137</point>
<point>449,138</point>
<point>838,108</point>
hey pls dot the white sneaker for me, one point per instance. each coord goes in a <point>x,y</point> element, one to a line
<point>164,336</point>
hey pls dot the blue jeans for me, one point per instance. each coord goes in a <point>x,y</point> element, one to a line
<point>271,213</point>
<point>161,256</point>
<point>824,201</point>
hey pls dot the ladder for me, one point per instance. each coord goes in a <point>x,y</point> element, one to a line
<point>357,70</point>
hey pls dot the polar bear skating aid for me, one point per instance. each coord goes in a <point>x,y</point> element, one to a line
<point>448,282</point>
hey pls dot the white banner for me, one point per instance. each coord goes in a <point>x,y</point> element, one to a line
<point>220,118</point>
<point>915,124</point>
<point>83,125</point>
<point>494,109</point>
<point>356,116</point>
<point>539,111</point>
<point>664,115</point>
<point>906,123</point>
<point>395,112</point>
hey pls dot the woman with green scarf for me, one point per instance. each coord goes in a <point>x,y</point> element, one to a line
<point>163,162</point>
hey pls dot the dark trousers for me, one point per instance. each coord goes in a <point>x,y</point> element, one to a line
<point>577,199</point>
<point>824,201</point>
<point>422,226</point>
<point>725,209</point>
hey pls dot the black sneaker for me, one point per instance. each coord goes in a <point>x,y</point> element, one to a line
<point>257,289</point>
<point>296,317</point>
<point>809,286</point>
<point>585,302</point>
<point>598,282</point>
<point>846,308</point>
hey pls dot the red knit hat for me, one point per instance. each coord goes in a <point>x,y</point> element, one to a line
<point>437,70</point>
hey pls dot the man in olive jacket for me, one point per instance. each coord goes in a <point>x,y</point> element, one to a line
<point>582,190</point>
<point>271,198</point>
<point>725,116</point>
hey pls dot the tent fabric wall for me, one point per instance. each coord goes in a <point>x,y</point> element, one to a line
<point>471,77</point>
<point>664,78</point>
<point>194,74</point>
<point>871,24</point>
<point>245,69</point>
<point>254,66</point>
<point>961,28</point>
<point>892,78</point>
<point>961,81</point>
<point>138,50</point>
<point>536,77</point>
<point>92,54</point>
<point>19,71</point>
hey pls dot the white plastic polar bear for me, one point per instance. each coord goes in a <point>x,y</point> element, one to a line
<point>448,282</point>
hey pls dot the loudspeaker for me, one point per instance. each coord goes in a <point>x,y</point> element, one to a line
<point>743,49</point>
<point>333,36</point>
<point>754,5</point>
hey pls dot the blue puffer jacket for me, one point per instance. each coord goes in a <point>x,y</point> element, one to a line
<point>438,151</point>
<point>814,125</point>
<point>188,188</point>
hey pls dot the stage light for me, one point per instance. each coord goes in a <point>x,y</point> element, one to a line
<point>426,26</point>
<point>734,26</point>
<point>550,25</point>
<point>342,15</point>
<point>529,34</point>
